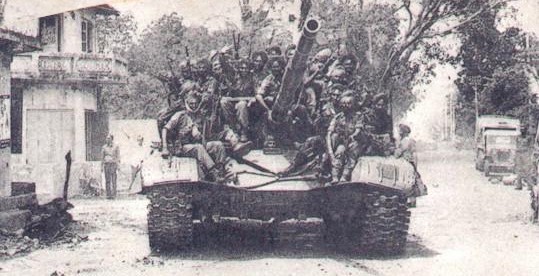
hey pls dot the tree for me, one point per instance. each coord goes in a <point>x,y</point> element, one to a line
<point>115,34</point>
<point>491,68</point>
<point>399,39</point>
<point>259,29</point>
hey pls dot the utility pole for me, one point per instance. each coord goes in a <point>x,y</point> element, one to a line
<point>475,81</point>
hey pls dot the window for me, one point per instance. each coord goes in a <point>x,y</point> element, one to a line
<point>87,36</point>
<point>49,31</point>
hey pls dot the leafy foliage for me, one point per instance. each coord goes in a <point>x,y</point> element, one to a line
<point>491,68</point>
<point>141,98</point>
<point>115,34</point>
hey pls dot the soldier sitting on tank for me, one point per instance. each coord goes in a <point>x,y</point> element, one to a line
<point>185,126</point>
<point>315,146</point>
<point>380,123</point>
<point>207,83</point>
<point>176,103</point>
<point>265,97</point>
<point>346,138</point>
<point>234,111</point>
<point>301,115</point>
<point>330,97</point>
<point>349,63</point>
<point>259,60</point>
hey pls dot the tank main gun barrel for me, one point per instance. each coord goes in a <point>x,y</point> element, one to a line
<point>295,69</point>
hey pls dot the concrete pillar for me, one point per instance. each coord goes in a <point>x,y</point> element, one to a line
<point>5,122</point>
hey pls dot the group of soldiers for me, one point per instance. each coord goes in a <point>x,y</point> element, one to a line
<point>224,105</point>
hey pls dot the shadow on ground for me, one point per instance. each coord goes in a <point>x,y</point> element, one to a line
<point>218,243</point>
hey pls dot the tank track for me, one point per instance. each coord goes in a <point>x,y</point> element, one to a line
<point>385,224</point>
<point>170,221</point>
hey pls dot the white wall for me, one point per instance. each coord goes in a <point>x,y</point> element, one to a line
<point>71,36</point>
<point>60,97</point>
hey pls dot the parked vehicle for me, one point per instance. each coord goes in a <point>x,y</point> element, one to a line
<point>496,144</point>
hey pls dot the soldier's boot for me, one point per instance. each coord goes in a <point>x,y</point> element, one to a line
<point>217,174</point>
<point>239,148</point>
<point>335,171</point>
<point>346,174</point>
<point>243,136</point>
<point>518,183</point>
<point>299,160</point>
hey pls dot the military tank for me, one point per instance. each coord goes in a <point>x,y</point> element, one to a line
<point>368,213</point>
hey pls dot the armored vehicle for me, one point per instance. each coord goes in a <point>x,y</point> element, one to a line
<point>496,144</point>
<point>368,213</point>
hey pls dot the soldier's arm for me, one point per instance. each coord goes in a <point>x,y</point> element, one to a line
<point>117,154</point>
<point>331,130</point>
<point>262,90</point>
<point>171,124</point>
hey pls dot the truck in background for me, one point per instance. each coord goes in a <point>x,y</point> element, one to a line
<point>496,145</point>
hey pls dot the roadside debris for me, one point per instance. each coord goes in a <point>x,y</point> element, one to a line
<point>26,226</point>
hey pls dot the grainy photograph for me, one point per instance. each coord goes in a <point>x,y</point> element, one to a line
<point>269,137</point>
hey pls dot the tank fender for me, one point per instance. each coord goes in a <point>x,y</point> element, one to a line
<point>391,172</point>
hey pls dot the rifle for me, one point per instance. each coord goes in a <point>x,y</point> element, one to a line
<point>236,41</point>
<point>188,57</point>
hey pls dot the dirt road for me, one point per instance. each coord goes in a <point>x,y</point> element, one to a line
<point>465,226</point>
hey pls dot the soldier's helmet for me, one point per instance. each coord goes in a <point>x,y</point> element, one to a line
<point>404,129</point>
<point>337,75</point>
<point>336,90</point>
<point>347,99</point>
<point>274,51</point>
<point>322,55</point>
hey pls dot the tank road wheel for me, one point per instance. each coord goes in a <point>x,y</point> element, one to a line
<point>170,222</point>
<point>385,224</point>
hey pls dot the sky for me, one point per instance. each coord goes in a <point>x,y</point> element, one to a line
<point>211,12</point>
<point>208,13</point>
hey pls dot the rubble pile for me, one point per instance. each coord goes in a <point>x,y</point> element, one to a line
<point>25,225</point>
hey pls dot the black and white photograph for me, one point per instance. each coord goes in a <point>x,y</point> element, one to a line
<point>269,137</point>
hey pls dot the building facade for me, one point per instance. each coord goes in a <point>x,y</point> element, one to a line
<point>11,43</point>
<point>55,94</point>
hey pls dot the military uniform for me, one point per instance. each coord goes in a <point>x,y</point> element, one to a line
<point>348,142</point>
<point>181,127</point>
<point>268,91</point>
<point>237,112</point>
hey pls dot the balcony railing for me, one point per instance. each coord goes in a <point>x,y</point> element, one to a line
<point>69,67</point>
